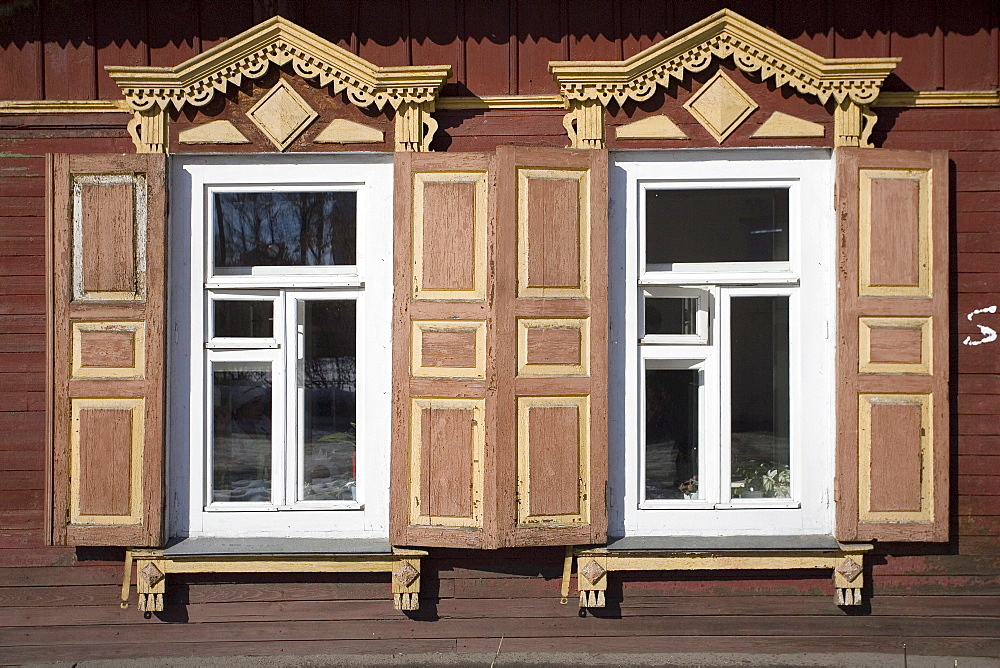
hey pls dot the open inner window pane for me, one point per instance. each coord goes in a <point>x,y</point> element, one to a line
<point>329,391</point>
<point>241,431</point>
<point>760,397</point>
<point>671,315</point>
<point>716,225</point>
<point>671,434</point>
<point>244,318</point>
<point>284,229</point>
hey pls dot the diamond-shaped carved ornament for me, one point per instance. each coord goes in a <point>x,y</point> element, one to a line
<point>151,574</point>
<point>849,569</point>
<point>406,574</point>
<point>720,106</point>
<point>282,115</point>
<point>593,571</point>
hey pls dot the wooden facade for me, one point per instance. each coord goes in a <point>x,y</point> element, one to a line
<point>503,109</point>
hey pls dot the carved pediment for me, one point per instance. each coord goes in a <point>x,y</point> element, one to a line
<point>278,41</point>
<point>723,34</point>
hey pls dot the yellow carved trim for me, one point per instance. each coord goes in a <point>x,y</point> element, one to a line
<point>926,512</point>
<point>939,98</point>
<point>63,106</point>
<point>580,325</point>
<point>585,124</point>
<point>723,34</point>
<point>343,131</point>
<point>415,127</point>
<point>653,127</point>
<point>138,412</point>
<point>476,327</point>
<point>278,41</point>
<point>502,102</point>
<point>868,323</point>
<point>524,406</point>
<point>478,408</point>
<point>138,368</point>
<point>720,106</point>
<point>780,124</point>
<point>524,177</point>
<point>216,132</point>
<point>924,252</point>
<point>478,291</point>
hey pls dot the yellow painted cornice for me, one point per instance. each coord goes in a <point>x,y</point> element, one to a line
<point>939,98</point>
<point>63,106</point>
<point>277,41</point>
<point>502,102</point>
<point>723,34</point>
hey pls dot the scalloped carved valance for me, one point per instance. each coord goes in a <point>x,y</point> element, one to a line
<point>277,41</point>
<point>723,34</point>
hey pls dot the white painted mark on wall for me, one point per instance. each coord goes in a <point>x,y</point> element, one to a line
<point>989,334</point>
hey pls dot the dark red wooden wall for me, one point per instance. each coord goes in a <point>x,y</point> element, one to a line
<point>62,604</point>
<point>57,49</point>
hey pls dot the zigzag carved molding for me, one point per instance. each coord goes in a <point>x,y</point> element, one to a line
<point>723,34</point>
<point>278,41</point>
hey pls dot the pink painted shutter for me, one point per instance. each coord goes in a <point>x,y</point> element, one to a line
<point>892,405</point>
<point>106,245</point>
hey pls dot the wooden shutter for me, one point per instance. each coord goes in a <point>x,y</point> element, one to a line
<point>892,450</point>
<point>441,426</point>
<point>499,346</point>
<point>552,317</point>
<point>107,228</point>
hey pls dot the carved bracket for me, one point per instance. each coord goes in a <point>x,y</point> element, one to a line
<point>415,127</point>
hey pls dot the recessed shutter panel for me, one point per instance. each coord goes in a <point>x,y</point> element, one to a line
<point>107,230</point>
<point>442,352</point>
<point>551,315</point>
<point>893,432</point>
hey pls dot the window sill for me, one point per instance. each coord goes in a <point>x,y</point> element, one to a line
<point>273,555</point>
<point>693,553</point>
<point>210,546</point>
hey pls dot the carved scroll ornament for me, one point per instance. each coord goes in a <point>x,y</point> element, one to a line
<point>277,41</point>
<point>723,34</point>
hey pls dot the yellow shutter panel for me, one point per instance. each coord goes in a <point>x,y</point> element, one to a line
<point>499,345</point>
<point>107,231</point>
<point>893,432</point>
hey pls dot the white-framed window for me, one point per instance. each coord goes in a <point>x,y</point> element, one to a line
<point>722,318</point>
<point>280,320</point>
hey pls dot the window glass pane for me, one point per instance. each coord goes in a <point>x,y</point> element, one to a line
<point>253,319</point>
<point>671,315</point>
<point>241,431</point>
<point>329,414</point>
<point>671,434</point>
<point>717,225</point>
<point>269,229</point>
<point>760,396</point>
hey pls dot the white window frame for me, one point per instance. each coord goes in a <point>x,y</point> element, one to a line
<point>192,348</point>
<point>808,278</point>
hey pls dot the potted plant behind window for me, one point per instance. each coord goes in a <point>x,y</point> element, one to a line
<point>762,479</point>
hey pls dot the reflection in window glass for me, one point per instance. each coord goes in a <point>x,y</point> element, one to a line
<point>241,432</point>
<point>760,397</point>
<point>251,319</point>
<point>717,225</point>
<point>671,434</point>
<point>671,315</point>
<point>275,229</point>
<point>329,390</point>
